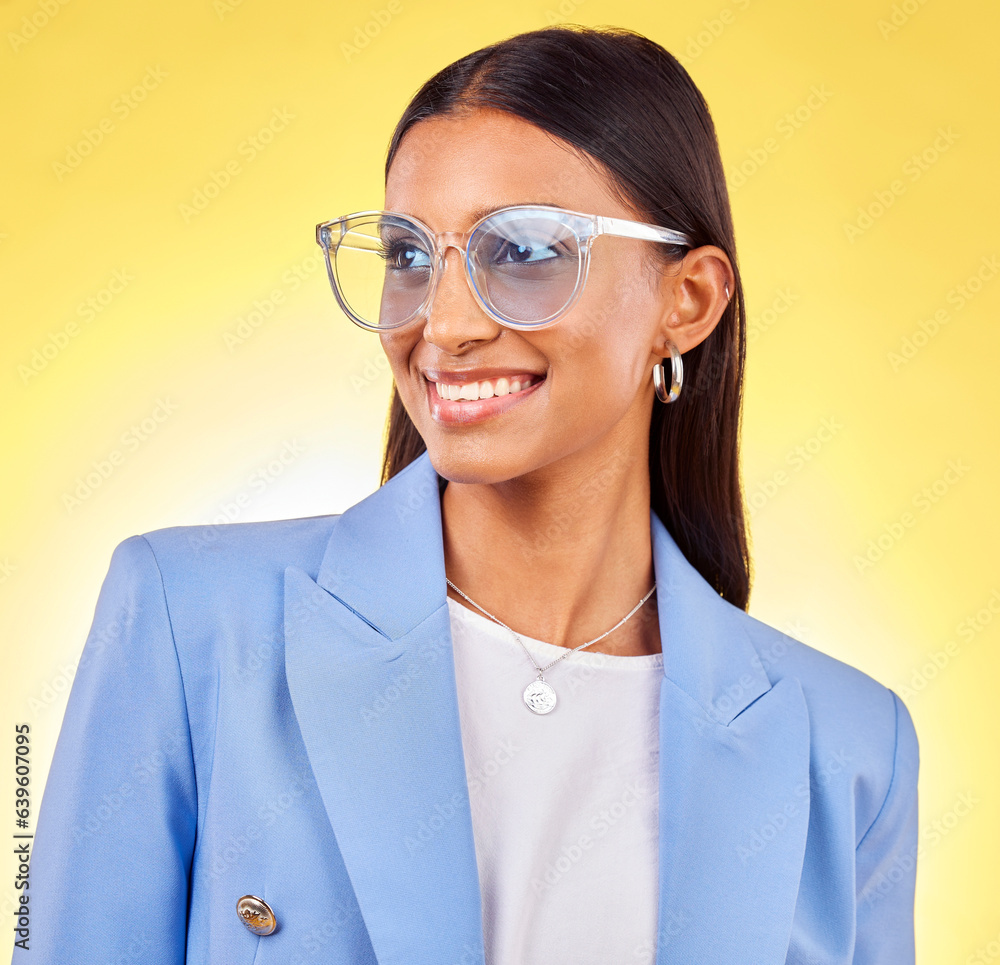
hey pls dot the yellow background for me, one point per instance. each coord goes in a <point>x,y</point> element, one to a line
<point>828,308</point>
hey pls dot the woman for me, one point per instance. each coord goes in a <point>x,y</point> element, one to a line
<point>509,708</point>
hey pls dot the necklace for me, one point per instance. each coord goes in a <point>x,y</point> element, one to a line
<point>539,695</point>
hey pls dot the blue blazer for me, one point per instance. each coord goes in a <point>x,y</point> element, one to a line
<point>270,709</point>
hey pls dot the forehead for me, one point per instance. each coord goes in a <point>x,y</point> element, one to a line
<point>450,170</point>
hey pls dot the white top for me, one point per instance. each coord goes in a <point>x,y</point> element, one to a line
<point>564,805</point>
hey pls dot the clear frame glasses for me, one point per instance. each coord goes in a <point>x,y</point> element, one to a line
<point>526,264</point>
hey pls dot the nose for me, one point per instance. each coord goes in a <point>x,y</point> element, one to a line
<point>454,317</point>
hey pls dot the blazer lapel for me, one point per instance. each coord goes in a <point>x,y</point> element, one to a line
<point>369,663</point>
<point>734,779</point>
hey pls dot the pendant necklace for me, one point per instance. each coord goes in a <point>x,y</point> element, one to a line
<point>539,695</point>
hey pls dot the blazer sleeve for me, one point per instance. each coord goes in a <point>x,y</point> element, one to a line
<point>113,845</point>
<point>886,860</point>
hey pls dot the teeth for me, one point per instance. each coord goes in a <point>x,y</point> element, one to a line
<point>472,391</point>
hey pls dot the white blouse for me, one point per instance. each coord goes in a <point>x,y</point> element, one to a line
<point>564,805</point>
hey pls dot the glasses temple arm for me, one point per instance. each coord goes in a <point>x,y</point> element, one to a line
<point>621,228</point>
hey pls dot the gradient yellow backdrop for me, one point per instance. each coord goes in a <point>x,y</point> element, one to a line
<point>138,389</point>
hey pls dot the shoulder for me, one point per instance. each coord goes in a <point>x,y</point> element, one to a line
<point>210,597</point>
<point>228,553</point>
<point>835,690</point>
<point>204,579</point>
<point>862,738</point>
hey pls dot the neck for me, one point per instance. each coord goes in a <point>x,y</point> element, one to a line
<point>560,554</point>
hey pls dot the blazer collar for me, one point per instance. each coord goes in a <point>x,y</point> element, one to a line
<point>371,676</point>
<point>389,541</point>
<point>392,539</point>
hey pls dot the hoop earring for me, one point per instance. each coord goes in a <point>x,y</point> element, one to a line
<point>676,376</point>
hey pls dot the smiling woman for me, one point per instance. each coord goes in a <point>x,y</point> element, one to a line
<point>509,708</point>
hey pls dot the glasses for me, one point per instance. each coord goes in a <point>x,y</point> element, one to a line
<point>526,264</point>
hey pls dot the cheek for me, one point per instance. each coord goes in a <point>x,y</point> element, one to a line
<point>605,349</point>
<point>397,347</point>
<point>596,380</point>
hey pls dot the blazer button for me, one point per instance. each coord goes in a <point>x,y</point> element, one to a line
<point>256,914</point>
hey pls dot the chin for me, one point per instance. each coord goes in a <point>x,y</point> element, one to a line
<point>467,464</point>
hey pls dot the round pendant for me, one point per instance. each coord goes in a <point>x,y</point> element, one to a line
<point>539,697</point>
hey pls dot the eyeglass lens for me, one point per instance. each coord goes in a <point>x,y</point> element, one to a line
<point>525,266</point>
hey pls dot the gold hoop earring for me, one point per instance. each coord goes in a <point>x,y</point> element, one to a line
<point>676,376</point>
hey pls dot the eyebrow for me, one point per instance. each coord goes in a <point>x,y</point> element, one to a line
<point>489,209</point>
<point>481,212</point>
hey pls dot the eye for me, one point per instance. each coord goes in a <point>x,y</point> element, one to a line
<point>401,254</point>
<point>523,251</point>
<point>528,246</point>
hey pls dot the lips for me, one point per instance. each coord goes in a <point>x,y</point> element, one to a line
<point>464,397</point>
<point>485,389</point>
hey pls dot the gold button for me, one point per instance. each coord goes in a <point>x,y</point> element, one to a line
<point>256,914</point>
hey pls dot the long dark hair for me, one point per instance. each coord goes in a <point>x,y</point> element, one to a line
<point>629,104</point>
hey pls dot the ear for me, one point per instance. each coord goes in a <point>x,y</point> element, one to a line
<point>694,298</point>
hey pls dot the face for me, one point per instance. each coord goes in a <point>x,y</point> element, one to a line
<point>586,382</point>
